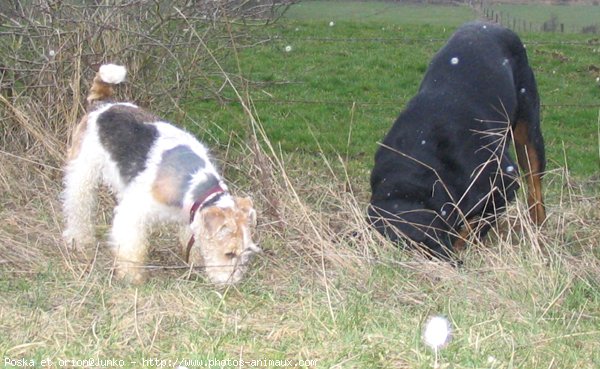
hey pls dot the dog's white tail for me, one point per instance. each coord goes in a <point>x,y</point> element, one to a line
<point>108,75</point>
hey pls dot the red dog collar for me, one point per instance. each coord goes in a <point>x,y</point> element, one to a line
<point>201,202</point>
<point>205,200</point>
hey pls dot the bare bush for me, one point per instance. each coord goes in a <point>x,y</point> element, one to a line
<point>49,51</point>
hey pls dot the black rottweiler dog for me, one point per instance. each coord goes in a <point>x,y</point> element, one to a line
<point>444,170</point>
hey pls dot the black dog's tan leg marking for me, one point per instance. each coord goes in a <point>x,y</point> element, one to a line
<point>461,241</point>
<point>530,162</point>
<point>465,232</point>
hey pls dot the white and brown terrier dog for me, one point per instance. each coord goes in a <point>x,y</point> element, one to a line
<point>160,174</point>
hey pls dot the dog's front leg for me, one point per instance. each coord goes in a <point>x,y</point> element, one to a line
<point>128,240</point>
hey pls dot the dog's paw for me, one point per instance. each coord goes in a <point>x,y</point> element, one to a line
<point>130,273</point>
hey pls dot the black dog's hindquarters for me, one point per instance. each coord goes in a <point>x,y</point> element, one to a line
<point>444,168</point>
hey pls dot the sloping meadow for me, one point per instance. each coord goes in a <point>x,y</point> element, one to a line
<point>327,291</point>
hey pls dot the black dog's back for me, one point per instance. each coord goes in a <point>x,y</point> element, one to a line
<point>445,160</point>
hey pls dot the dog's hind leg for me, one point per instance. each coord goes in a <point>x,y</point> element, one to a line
<point>531,160</point>
<point>82,176</point>
<point>529,143</point>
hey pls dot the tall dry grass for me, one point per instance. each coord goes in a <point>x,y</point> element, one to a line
<point>48,61</point>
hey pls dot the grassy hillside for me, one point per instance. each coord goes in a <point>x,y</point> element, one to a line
<point>339,88</point>
<point>327,292</point>
<point>573,17</point>
<point>379,12</point>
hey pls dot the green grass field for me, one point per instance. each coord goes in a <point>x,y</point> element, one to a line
<point>379,12</point>
<point>347,83</point>
<point>327,292</point>
<point>574,18</point>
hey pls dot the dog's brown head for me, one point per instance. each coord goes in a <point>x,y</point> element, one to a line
<point>223,240</point>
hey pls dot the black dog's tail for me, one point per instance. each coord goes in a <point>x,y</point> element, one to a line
<point>108,75</point>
